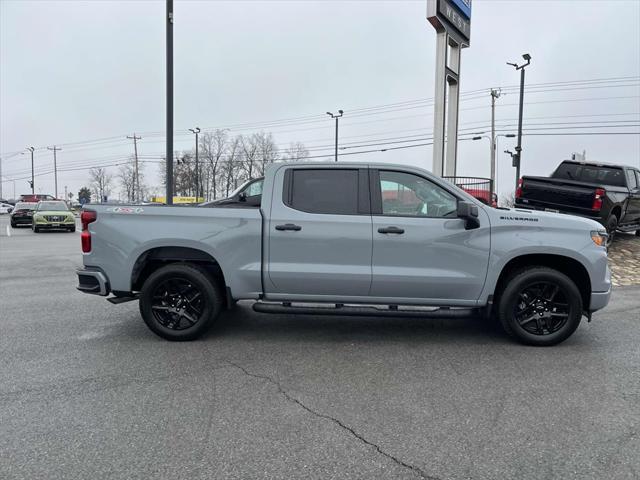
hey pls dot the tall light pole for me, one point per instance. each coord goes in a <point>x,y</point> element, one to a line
<point>33,190</point>
<point>169,57</point>
<point>518,155</point>
<point>494,95</point>
<point>196,131</point>
<point>337,117</point>
<point>55,167</point>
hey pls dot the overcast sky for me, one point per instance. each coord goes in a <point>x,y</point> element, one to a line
<point>77,71</point>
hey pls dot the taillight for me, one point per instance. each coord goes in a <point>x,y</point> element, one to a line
<point>87,217</point>
<point>519,189</point>
<point>598,199</point>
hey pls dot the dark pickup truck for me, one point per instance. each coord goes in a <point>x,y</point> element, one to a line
<point>609,194</point>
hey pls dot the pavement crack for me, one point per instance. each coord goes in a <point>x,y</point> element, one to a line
<point>338,422</point>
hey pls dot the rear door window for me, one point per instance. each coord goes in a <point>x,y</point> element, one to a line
<point>328,191</point>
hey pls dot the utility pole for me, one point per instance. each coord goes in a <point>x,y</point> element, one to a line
<point>55,167</point>
<point>340,113</point>
<point>33,191</point>
<point>518,155</point>
<point>169,56</point>
<point>136,182</point>
<point>197,131</point>
<point>494,95</point>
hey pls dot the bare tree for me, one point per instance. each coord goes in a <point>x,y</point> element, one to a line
<point>127,179</point>
<point>249,150</point>
<point>100,181</point>
<point>267,151</point>
<point>232,169</point>
<point>213,147</point>
<point>296,152</point>
<point>126,176</point>
<point>508,200</point>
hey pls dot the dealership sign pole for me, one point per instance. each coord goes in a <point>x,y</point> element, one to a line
<point>452,21</point>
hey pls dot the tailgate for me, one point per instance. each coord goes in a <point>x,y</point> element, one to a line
<point>556,193</point>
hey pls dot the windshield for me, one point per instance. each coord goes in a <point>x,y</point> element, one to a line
<point>51,206</point>
<point>25,206</point>
<point>590,174</point>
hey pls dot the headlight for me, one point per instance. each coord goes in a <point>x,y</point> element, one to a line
<point>599,237</point>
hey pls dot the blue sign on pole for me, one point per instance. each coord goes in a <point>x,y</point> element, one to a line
<point>464,6</point>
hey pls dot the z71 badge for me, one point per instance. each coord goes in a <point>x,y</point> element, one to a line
<point>125,210</point>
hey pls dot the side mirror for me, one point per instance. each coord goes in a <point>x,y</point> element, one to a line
<point>242,197</point>
<point>469,213</point>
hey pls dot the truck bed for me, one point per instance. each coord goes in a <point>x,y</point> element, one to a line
<point>122,233</point>
<point>558,194</point>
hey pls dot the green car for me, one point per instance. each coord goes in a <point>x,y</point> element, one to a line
<point>53,215</point>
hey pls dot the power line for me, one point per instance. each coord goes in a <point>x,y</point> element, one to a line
<point>388,108</point>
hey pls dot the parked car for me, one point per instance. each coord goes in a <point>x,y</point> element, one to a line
<point>609,194</point>
<point>53,215</point>
<point>249,193</point>
<point>358,240</point>
<point>35,197</point>
<point>22,214</point>
<point>5,208</point>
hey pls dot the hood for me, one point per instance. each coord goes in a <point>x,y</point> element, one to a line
<point>61,213</point>
<point>537,218</point>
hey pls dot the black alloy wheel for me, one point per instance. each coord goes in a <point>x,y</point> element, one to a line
<point>180,301</point>
<point>177,304</point>
<point>539,306</point>
<point>542,308</point>
<point>611,227</point>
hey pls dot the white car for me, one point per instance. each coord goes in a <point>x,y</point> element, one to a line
<point>5,208</point>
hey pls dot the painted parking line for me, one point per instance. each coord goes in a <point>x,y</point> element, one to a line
<point>8,231</point>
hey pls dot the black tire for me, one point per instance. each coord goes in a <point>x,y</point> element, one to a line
<point>169,304</point>
<point>520,306</point>
<point>637,233</point>
<point>611,226</point>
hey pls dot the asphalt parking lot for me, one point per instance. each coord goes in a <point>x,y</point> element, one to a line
<point>86,391</point>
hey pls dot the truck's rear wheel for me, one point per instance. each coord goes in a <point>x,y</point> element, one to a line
<point>180,302</point>
<point>540,306</point>
<point>611,226</point>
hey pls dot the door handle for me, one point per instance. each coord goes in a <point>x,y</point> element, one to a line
<point>391,230</point>
<point>289,226</point>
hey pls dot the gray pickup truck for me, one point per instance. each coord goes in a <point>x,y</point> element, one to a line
<point>348,239</point>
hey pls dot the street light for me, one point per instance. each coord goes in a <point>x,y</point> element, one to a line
<point>518,154</point>
<point>196,131</point>
<point>340,113</point>
<point>504,135</point>
<point>31,149</point>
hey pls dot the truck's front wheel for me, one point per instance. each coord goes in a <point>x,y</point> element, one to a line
<point>179,302</point>
<point>540,306</point>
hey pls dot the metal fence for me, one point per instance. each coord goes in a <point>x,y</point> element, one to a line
<point>478,187</point>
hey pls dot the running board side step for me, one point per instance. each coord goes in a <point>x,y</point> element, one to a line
<point>363,310</point>
<point>629,228</point>
<point>123,299</point>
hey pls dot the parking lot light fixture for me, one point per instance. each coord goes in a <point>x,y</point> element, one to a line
<point>336,116</point>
